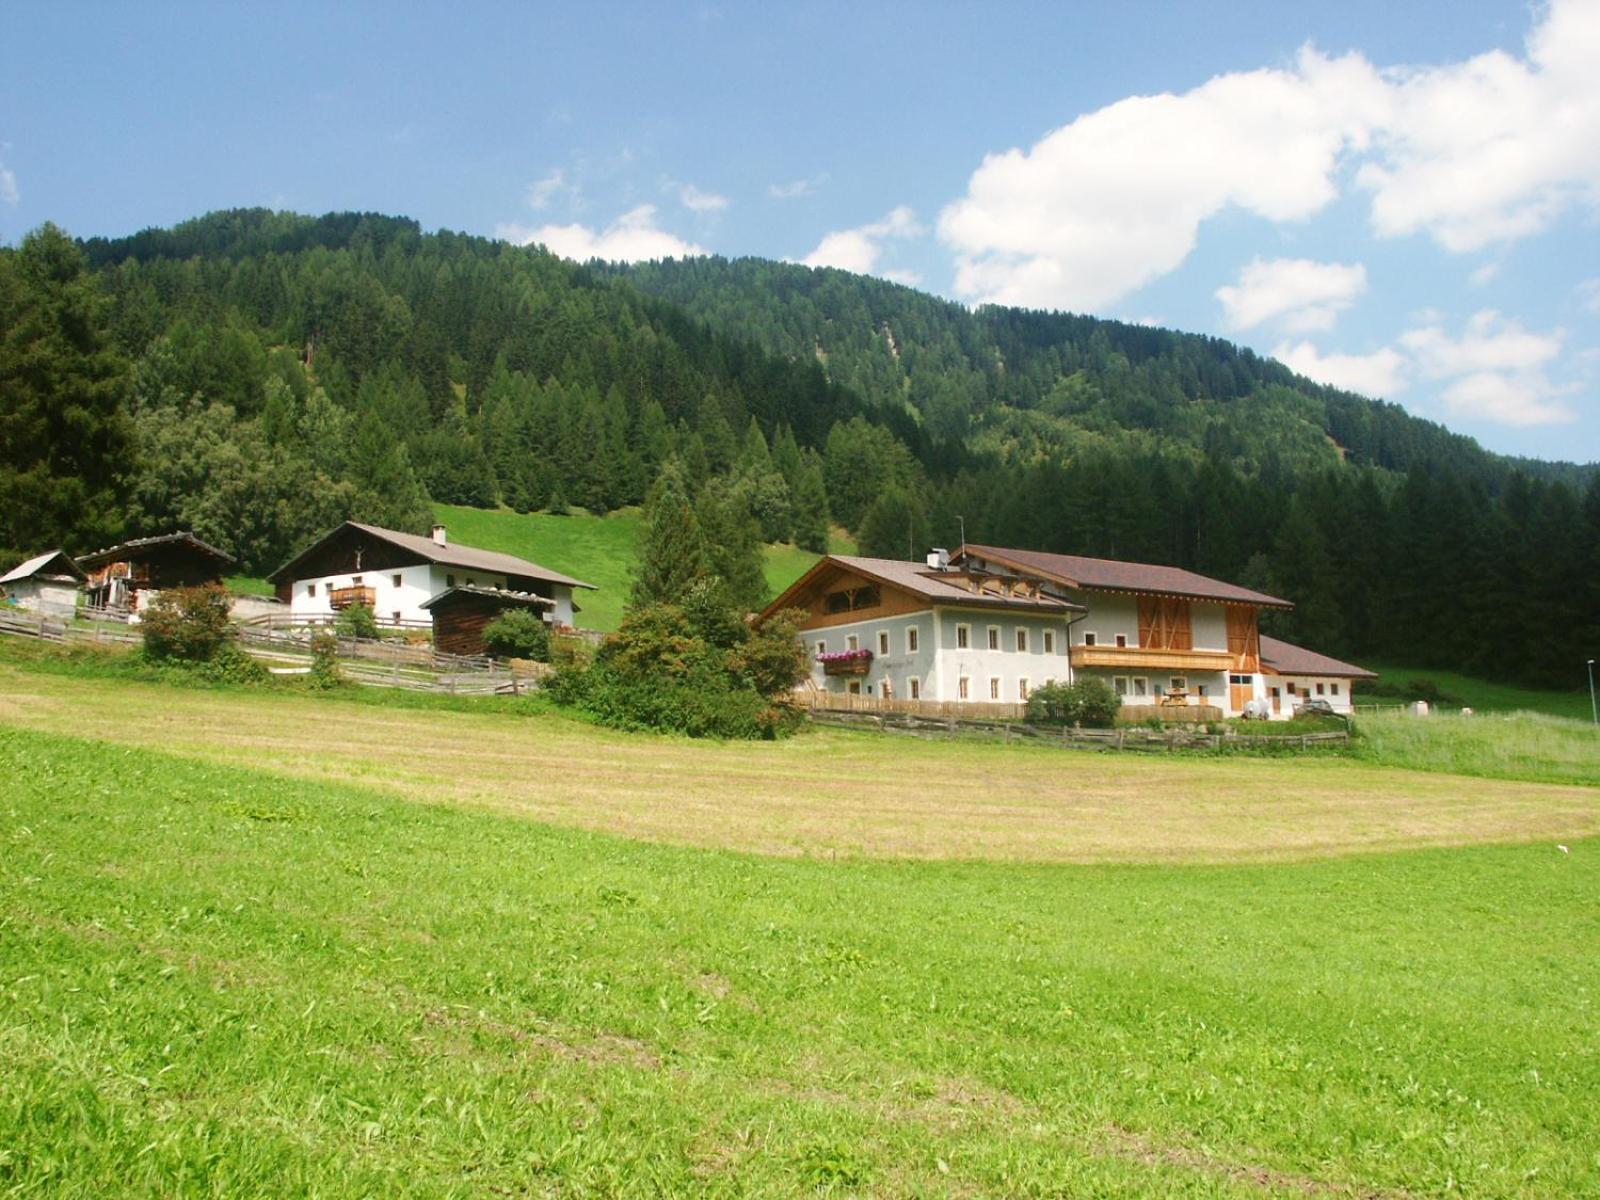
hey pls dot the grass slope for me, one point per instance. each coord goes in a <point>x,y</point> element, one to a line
<point>598,550</point>
<point>1485,696</point>
<point>214,980</point>
<point>824,793</point>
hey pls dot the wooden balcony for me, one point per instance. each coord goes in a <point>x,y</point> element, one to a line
<point>342,598</point>
<point>1138,658</point>
<point>850,666</point>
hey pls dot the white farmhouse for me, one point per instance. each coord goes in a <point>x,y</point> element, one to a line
<point>395,574</point>
<point>989,624</point>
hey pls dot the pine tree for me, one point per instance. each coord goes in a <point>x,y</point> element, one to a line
<point>733,544</point>
<point>65,439</point>
<point>672,551</point>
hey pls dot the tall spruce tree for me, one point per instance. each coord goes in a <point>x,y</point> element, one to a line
<point>65,440</point>
<point>672,552</point>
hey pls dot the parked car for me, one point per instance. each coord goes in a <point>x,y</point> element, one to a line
<point>1317,707</point>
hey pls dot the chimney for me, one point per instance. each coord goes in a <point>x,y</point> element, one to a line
<point>939,559</point>
<point>438,535</point>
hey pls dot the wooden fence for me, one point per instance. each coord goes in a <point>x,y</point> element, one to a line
<point>1123,738</point>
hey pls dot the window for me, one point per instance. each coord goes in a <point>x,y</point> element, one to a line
<point>1091,639</point>
<point>1178,683</point>
<point>1122,641</point>
<point>1334,688</point>
<point>963,636</point>
<point>1289,687</point>
<point>1119,684</point>
<point>449,581</point>
<point>1319,689</point>
<point>994,637</point>
<point>994,688</point>
<point>1022,640</point>
<point>311,589</point>
<point>1239,680</point>
<point>355,581</point>
<point>911,640</point>
<point>883,641</point>
<point>1022,689</point>
<point>852,598</point>
<point>397,580</point>
<point>1141,686</point>
<point>395,617</point>
<point>822,647</point>
<point>852,642</point>
<point>1200,690</point>
<point>1049,641</point>
<point>962,689</point>
<point>916,688</point>
<point>855,687</point>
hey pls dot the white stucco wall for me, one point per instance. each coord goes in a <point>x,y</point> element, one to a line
<point>310,597</point>
<point>1335,691</point>
<point>44,596</point>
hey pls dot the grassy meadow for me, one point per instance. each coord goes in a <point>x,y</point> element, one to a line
<point>219,979</point>
<point>1485,696</point>
<point>598,550</point>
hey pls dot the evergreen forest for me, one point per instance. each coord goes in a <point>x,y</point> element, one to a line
<point>258,376</point>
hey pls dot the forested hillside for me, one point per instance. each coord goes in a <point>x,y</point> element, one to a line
<point>257,377</point>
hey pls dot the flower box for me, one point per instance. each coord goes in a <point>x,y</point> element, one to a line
<point>846,662</point>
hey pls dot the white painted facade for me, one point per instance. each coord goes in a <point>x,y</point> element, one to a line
<point>47,597</point>
<point>399,592</point>
<point>1310,687</point>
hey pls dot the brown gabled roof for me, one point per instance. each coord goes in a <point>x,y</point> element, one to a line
<point>1285,658</point>
<point>503,595</point>
<point>922,581</point>
<point>468,557</point>
<point>1113,575</point>
<point>130,550</point>
<point>64,568</point>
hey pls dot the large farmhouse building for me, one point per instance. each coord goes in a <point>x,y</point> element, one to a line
<point>991,624</point>
<point>397,575</point>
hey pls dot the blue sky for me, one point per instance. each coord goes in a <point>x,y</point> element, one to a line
<point>1398,198</point>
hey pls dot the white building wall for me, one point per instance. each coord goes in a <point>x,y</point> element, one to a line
<point>312,597</point>
<point>44,596</point>
<point>1335,691</point>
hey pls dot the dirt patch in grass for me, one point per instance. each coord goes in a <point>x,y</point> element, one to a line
<point>825,794</point>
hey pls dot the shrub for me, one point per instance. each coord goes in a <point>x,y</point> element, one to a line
<point>1089,702</point>
<point>518,633</point>
<point>357,621</point>
<point>187,624</point>
<point>325,660</point>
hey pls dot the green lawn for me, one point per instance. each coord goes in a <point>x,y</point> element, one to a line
<point>216,980</point>
<point>248,585</point>
<point>1487,697</point>
<point>598,550</point>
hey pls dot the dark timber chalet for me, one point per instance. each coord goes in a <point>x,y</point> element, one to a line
<point>989,624</point>
<point>127,576</point>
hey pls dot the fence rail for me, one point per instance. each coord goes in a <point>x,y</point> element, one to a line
<point>1124,738</point>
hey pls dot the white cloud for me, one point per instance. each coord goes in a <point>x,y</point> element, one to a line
<point>1485,275</point>
<point>1380,373</point>
<point>795,189</point>
<point>632,237</point>
<point>860,248</point>
<point>695,200</point>
<point>1298,293</point>
<point>8,186</point>
<point>1470,153</point>
<point>1490,343</point>
<point>1506,399</point>
<point>543,191</point>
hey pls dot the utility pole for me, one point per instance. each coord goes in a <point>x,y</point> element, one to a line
<point>1594,712</point>
<point>963,521</point>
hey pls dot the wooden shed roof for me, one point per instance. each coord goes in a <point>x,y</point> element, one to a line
<point>53,564</point>
<point>139,547</point>
<point>504,596</point>
<point>1285,658</point>
<point>447,555</point>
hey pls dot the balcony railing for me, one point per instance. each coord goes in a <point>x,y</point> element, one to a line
<point>1136,658</point>
<point>342,598</point>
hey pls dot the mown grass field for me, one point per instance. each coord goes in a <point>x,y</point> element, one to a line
<point>224,980</point>
<point>598,550</point>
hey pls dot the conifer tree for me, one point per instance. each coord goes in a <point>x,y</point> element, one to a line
<point>672,551</point>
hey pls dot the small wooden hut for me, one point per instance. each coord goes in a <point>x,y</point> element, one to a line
<point>47,584</point>
<point>461,614</point>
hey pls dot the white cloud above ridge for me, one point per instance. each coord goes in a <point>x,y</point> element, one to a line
<point>698,201</point>
<point>1297,293</point>
<point>8,186</point>
<point>797,188</point>
<point>1494,370</point>
<point>543,191</point>
<point>859,249</point>
<point>632,237</point>
<point>1472,153</point>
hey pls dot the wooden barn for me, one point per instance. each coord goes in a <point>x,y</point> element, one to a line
<point>461,614</point>
<point>47,584</point>
<point>126,577</point>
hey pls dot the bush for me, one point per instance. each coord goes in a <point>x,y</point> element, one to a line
<point>357,621</point>
<point>187,624</point>
<point>518,633</point>
<point>661,671</point>
<point>325,660</point>
<point>1089,702</point>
